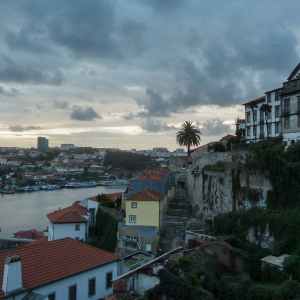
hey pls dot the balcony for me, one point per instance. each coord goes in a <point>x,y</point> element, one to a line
<point>285,113</point>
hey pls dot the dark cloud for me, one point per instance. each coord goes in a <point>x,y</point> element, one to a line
<point>13,72</point>
<point>30,38</point>
<point>19,128</point>
<point>60,104</point>
<point>214,127</point>
<point>152,125</point>
<point>128,116</point>
<point>84,114</point>
<point>12,92</point>
<point>85,28</point>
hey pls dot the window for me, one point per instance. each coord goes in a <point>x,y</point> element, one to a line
<point>268,98</point>
<point>269,129</point>
<point>248,117</point>
<point>132,219</point>
<point>292,142</point>
<point>276,96</point>
<point>287,123</point>
<point>269,115</point>
<point>51,296</point>
<point>255,116</point>
<point>92,286</point>
<point>262,114</point>
<point>77,238</point>
<point>72,292</point>
<point>77,226</point>
<point>109,280</point>
<point>133,204</point>
<point>286,105</point>
<point>261,130</point>
<point>92,216</point>
<point>254,131</point>
<point>276,127</point>
<point>298,120</point>
<point>277,111</point>
<point>288,87</point>
<point>248,131</point>
<point>295,84</point>
<point>298,103</point>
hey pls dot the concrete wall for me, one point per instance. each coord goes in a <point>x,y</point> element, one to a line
<point>144,282</point>
<point>146,212</point>
<point>68,230</point>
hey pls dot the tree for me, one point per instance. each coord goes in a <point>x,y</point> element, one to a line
<point>266,109</point>
<point>253,105</point>
<point>188,136</point>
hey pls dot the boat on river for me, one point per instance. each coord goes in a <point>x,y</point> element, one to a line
<point>50,187</point>
<point>73,185</point>
<point>89,184</point>
<point>32,188</point>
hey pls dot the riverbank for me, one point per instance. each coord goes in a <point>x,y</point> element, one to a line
<point>24,211</point>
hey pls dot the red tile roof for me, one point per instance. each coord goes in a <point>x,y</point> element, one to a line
<point>202,147</point>
<point>260,99</point>
<point>146,195</point>
<point>240,121</point>
<point>188,159</point>
<point>112,196</point>
<point>226,138</point>
<point>161,170</point>
<point>150,177</point>
<point>43,263</point>
<point>69,214</point>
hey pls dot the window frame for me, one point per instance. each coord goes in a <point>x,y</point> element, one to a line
<point>108,281</point>
<point>92,286</point>
<point>286,105</point>
<point>77,227</point>
<point>75,291</point>
<point>277,129</point>
<point>53,294</point>
<point>286,125</point>
<point>248,117</point>
<point>268,97</point>
<point>133,204</point>
<point>277,111</point>
<point>276,96</point>
<point>132,218</point>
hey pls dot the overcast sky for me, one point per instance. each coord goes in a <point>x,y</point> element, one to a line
<point>126,74</point>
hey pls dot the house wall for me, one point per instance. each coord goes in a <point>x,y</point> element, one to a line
<point>61,288</point>
<point>144,282</point>
<point>147,213</point>
<point>68,230</point>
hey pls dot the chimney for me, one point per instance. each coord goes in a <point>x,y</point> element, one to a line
<point>12,276</point>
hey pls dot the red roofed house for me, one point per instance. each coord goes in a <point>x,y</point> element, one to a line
<point>71,222</point>
<point>144,216</point>
<point>29,234</point>
<point>61,269</point>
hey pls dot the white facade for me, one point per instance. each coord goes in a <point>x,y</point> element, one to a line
<point>81,281</point>
<point>92,207</point>
<point>76,231</point>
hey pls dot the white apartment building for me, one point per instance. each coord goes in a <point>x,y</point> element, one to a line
<point>284,118</point>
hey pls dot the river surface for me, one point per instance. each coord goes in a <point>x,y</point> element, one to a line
<point>25,211</point>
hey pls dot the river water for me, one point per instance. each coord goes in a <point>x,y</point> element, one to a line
<point>25,211</point>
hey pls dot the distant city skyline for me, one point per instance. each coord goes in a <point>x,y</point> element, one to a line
<point>115,74</point>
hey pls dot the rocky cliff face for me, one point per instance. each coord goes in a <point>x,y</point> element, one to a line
<point>212,190</point>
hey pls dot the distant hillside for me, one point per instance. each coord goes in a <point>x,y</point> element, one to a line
<point>129,161</point>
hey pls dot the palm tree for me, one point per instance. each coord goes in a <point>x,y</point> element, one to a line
<point>188,136</point>
<point>253,105</point>
<point>266,109</point>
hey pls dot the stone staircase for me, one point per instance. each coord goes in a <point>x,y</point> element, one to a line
<point>174,224</point>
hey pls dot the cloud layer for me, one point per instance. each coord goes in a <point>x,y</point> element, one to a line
<point>146,64</point>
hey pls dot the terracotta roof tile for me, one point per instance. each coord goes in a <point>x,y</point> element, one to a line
<point>150,177</point>
<point>43,263</point>
<point>161,170</point>
<point>240,121</point>
<point>226,138</point>
<point>146,195</point>
<point>188,159</point>
<point>202,147</point>
<point>69,214</point>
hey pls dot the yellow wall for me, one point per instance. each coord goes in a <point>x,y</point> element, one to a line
<point>147,213</point>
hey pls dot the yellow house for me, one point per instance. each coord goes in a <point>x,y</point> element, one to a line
<point>146,208</point>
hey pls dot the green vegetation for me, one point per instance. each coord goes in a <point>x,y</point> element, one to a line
<point>218,166</point>
<point>129,161</point>
<point>106,231</point>
<point>188,136</point>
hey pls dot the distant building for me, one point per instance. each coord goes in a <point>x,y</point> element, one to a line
<point>67,146</point>
<point>42,144</point>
